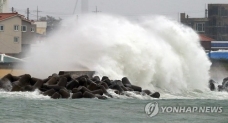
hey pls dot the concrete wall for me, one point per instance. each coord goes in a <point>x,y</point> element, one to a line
<point>218,10</point>
<point>41,27</point>
<point>41,30</point>
<point>15,72</point>
<point>191,22</point>
<point>7,44</point>
<point>28,36</point>
<point>218,21</point>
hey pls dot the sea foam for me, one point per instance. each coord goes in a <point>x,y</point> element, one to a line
<point>154,52</point>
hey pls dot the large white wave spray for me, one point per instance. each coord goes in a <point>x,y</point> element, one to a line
<point>155,53</point>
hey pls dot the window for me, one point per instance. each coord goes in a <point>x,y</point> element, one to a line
<point>1,28</point>
<point>16,39</point>
<point>16,27</point>
<point>200,27</point>
<point>24,28</point>
<point>32,29</point>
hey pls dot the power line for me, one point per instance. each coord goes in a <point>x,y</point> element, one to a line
<point>37,13</point>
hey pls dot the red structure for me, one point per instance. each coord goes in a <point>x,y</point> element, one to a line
<point>205,41</point>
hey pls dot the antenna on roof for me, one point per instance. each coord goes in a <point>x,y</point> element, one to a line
<point>206,11</point>
<point>12,9</point>
<point>28,13</point>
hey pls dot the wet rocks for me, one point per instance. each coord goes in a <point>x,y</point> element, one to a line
<point>155,95</point>
<point>212,85</point>
<point>77,95</point>
<point>223,87</point>
<point>66,86</point>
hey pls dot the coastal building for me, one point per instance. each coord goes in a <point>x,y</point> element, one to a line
<point>46,25</point>
<point>10,33</point>
<point>218,21</point>
<point>28,34</point>
<point>41,27</point>
<point>198,24</point>
<point>16,33</point>
<point>205,42</point>
<point>214,24</point>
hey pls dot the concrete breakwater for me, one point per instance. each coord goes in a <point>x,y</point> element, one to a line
<point>72,85</point>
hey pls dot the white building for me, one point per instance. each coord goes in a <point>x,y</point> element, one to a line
<point>41,27</point>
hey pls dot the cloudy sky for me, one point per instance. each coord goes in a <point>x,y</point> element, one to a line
<point>128,8</point>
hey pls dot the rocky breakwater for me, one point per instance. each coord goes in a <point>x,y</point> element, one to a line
<point>68,86</point>
<point>215,86</point>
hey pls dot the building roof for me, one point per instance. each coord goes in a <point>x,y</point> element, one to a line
<point>4,16</point>
<point>205,38</point>
<point>196,19</point>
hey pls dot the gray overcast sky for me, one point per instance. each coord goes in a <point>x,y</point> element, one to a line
<point>130,8</point>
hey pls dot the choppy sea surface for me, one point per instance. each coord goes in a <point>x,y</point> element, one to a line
<point>32,108</point>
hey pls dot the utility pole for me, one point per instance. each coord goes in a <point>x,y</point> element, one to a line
<point>96,11</point>
<point>28,13</point>
<point>37,13</point>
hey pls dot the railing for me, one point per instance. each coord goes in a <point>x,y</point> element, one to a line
<point>219,44</point>
<point>9,59</point>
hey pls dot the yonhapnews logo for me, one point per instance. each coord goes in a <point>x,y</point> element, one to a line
<point>152,109</point>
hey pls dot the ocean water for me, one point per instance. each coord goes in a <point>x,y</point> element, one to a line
<point>155,53</point>
<point>29,109</point>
